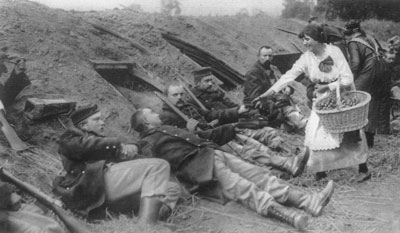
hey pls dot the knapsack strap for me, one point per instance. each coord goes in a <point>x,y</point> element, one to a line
<point>359,40</point>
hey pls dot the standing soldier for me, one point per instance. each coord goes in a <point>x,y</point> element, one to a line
<point>365,65</point>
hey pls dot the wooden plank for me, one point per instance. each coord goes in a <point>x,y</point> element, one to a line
<point>15,142</point>
<point>135,70</point>
<point>36,109</point>
<point>116,34</point>
<point>231,77</point>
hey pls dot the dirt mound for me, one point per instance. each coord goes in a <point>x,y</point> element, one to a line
<point>59,45</point>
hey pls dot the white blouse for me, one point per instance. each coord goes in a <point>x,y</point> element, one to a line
<point>308,64</point>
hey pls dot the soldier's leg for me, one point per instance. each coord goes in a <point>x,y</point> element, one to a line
<point>259,176</point>
<point>149,177</point>
<point>313,203</point>
<point>267,135</point>
<point>251,149</point>
<point>238,188</point>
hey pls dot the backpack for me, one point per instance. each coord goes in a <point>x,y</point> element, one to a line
<point>380,65</point>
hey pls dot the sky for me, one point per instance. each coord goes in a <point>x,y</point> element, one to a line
<point>189,7</point>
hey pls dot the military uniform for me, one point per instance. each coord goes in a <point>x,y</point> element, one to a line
<point>198,160</point>
<point>95,173</point>
<point>266,139</point>
<point>17,81</point>
<point>368,77</point>
<point>258,80</point>
<point>212,100</point>
<point>226,116</point>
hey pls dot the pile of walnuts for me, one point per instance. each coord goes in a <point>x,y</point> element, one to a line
<point>330,102</point>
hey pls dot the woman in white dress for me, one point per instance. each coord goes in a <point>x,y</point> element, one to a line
<point>327,68</point>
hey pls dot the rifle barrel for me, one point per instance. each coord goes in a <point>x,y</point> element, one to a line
<point>173,107</point>
<point>73,225</point>
<point>287,31</point>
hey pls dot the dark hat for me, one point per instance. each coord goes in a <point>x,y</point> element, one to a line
<point>83,113</point>
<point>352,26</point>
<point>314,31</point>
<point>201,73</point>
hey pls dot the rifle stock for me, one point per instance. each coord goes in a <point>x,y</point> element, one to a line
<point>72,224</point>
<point>15,142</point>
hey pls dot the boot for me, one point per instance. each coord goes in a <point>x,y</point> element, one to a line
<point>287,215</point>
<point>311,203</point>
<point>149,210</point>
<point>294,165</point>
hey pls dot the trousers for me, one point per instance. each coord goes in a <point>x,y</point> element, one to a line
<point>266,135</point>
<point>145,177</point>
<point>249,184</point>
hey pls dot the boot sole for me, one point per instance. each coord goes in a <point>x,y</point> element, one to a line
<point>301,222</point>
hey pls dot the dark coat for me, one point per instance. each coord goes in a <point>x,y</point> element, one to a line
<point>84,155</point>
<point>258,81</point>
<point>362,64</point>
<point>169,117</point>
<point>368,74</point>
<point>12,87</point>
<point>212,100</point>
<point>190,155</point>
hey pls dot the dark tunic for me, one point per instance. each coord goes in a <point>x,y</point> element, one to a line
<point>258,81</point>
<point>190,155</point>
<point>169,117</point>
<point>212,100</point>
<point>83,155</point>
<point>367,73</point>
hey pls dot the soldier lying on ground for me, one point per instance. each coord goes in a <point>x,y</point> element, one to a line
<point>248,140</point>
<point>279,108</point>
<point>198,161</point>
<point>23,218</point>
<point>106,171</point>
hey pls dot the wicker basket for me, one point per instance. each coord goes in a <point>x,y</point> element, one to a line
<point>346,119</point>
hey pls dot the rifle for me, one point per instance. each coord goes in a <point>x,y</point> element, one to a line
<point>72,224</point>
<point>190,93</point>
<point>175,109</point>
<point>287,31</point>
<point>379,44</point>
<point>294,45</point>
<point>15,142</point>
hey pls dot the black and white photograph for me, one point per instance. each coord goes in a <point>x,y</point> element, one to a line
<point>199,116</point>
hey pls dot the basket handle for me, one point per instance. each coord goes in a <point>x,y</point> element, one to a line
<point>338,99</point>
